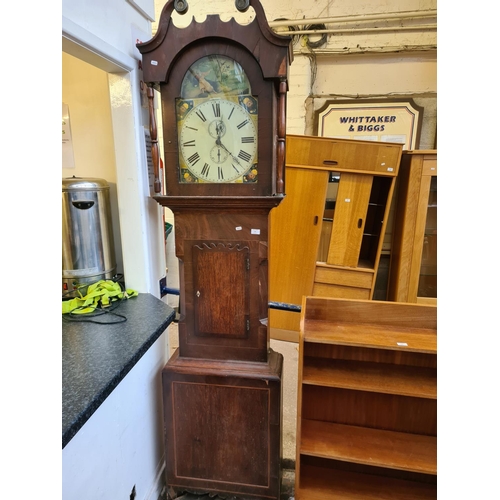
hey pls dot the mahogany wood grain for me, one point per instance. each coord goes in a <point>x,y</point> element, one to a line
<point>215,204</point>
<point>222,426</point>
<point>265,57</point>
<point>223,267</point>
<point>222,388</point>
<point>280,164</point>
<point>153,131</point>
<point>221,276</point>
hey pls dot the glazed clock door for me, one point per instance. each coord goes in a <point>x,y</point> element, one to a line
<point>218,115</point>
<point>217,123</point>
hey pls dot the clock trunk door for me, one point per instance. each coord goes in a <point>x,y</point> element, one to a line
<point>221,290</point>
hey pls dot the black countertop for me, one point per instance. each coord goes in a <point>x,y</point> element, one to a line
<point>95,358</point>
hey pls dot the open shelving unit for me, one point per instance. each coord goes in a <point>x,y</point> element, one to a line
<point>367,401</point>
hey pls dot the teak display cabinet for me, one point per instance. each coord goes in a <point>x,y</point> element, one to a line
<point>366,173</point>
<point>413,269</point>
<point>367,401</point>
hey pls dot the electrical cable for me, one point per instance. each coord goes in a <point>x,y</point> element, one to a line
<point>74,317</point>
<point>321,41</point>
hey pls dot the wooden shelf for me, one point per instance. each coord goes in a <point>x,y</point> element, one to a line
<point>321,483</point>
<point>367,401</point>
<point>395,450</point>
<point>413,381</point>
<point>375,336</point>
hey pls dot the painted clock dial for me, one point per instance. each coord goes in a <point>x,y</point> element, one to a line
<point>217,142</point>
<point>217,123</point>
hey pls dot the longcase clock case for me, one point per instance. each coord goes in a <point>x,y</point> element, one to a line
<point>222,387</point>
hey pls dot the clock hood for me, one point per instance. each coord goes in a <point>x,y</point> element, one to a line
<point>272,52</point>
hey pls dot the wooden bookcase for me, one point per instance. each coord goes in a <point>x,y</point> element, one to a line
<point>413,268</point>
<point>365,172</point>
<point>367,401</point>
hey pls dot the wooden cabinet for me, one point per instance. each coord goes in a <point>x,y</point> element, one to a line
<point>367,401</point>
<point>295,232</point>
<point>334,251</point>
<point>413,269</point>
<point>225,420</point>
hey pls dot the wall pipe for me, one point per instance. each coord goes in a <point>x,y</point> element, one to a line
<point>360,30</point>
<point>355,18</point>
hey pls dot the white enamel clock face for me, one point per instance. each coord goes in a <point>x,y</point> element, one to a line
<point>218,139</point>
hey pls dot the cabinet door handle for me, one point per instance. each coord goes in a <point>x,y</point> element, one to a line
<point>330,162</point>
<point>360,223</point>
<point>316,218</point>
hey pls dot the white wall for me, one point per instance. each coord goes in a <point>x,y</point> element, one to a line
<point>104,34</point>
<point>121,444</point>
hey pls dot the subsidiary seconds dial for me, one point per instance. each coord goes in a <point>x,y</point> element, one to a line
<point>218,141</point>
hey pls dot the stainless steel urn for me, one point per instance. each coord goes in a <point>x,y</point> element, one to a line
<point>88,253</point>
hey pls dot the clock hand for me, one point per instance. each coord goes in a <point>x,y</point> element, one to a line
<point>219,143</point>
<point>219,128</point>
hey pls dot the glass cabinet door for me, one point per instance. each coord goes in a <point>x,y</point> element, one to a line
<point>427,284</point>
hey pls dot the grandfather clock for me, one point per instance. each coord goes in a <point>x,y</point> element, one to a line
<point>223,100</point>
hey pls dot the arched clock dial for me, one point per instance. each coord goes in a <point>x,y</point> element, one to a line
<point>218,139</point>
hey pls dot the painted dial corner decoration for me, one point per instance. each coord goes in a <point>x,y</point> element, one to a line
<point>217,123</point>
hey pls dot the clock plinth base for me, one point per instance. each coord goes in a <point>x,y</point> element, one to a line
<point>222,422</point>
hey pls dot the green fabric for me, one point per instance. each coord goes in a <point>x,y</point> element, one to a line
<point>102,294</point>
